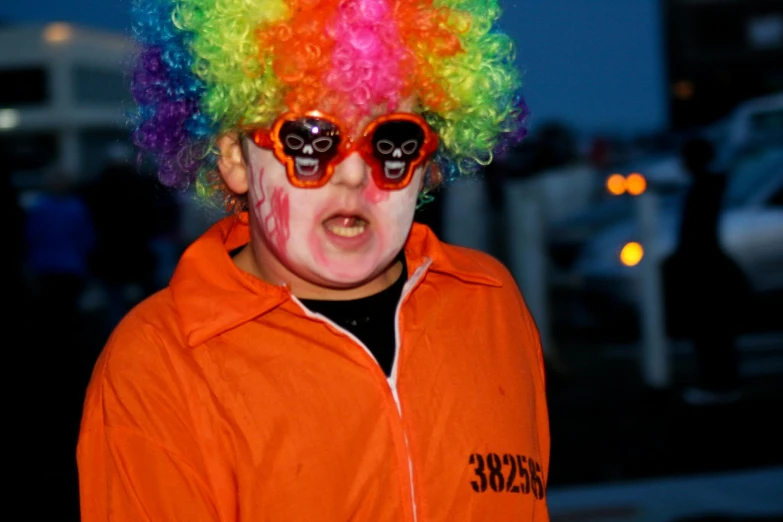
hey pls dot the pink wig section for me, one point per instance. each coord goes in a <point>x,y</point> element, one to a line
<point>366,68</point>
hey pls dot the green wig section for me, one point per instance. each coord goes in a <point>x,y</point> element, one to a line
<point>241,86</point>
<point>481,80</point>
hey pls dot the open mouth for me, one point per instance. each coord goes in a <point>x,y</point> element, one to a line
<point>393,169</point>
<point>306,166</point>
<point>346,225</point>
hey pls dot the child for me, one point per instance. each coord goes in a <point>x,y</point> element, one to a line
<point>317,356</point>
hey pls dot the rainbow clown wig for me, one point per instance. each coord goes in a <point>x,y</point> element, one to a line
<point>207,67</point>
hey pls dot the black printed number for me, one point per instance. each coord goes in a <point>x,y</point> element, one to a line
<point>511,473</point>
<point>522,462</point>
<point>478,461</point>
<point>535,477</point>
<point>496,480</point>
<point>509,460</point>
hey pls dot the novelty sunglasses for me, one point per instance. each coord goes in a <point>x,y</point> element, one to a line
<point>312,145</point>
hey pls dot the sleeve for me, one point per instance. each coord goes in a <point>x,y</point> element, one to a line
<point>538,362</point>
<point>541,403</point>
<point>138,456</point>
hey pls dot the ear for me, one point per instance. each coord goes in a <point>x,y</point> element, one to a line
<point>432,178</point>
<point>232,163</point>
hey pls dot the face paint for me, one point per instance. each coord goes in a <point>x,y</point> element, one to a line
<point>275,213</point>
<point>342,235</point>
<point>374,194</point>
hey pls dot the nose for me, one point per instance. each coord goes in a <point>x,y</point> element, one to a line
<point>350,172</point>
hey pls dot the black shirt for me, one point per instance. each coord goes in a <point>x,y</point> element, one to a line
<point>370,318</point>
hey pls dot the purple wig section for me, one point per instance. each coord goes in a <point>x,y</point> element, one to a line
<point>165,116</point>
<point>149,78</point>
<point>165,136</point>
<point>516,121</point>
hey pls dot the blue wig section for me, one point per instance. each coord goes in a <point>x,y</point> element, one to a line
<point>514,129</point>
<point>169,123</point>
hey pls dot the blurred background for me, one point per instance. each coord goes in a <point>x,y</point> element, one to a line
<point>648,272</point>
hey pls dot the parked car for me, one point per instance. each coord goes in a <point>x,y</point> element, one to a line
<point>566,238</point>
<point>604,290</point>
<point>753,123</point>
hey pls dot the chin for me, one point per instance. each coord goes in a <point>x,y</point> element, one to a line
<point>345,281</point>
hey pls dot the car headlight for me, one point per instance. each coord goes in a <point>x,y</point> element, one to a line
<point>631,253</point>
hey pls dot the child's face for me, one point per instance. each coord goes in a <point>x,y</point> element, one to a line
<point>341,235</point>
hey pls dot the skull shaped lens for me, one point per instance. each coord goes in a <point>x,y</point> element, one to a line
<point>396,144</point>
<point>311,146</point>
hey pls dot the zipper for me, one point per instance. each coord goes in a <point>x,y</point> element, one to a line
<point>392,380</point>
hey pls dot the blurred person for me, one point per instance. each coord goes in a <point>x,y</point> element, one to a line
<point>59,237</point>
<point>16,318</point>
<point>130,216</point>
<point>14,251</point>
<point>317,355</point>
<point>552,146</point>
<point>706,288</point>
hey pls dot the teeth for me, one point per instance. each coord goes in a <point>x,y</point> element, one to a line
<point>393,169</point>
<point>306,166</point>
<point>347,231</point>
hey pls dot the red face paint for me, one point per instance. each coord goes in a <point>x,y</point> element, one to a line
<point>276,222</point>
<point>261,196</point>
<point>374,194</point>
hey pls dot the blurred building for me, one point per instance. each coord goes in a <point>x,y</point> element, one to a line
<point>63,96</point>
<point>719,53</point>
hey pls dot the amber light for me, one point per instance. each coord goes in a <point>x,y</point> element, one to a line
<point>631,254</point>
<point>635,184</point>
<point>683,90</point>
<point>615,184</point>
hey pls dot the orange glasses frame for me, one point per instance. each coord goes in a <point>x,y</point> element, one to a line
<point>270,139</point>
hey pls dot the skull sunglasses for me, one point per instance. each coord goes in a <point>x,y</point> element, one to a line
<point>312,145</point>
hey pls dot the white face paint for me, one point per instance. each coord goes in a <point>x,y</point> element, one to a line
<point>343,235</point>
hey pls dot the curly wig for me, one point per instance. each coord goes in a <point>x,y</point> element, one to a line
<point>208,67</point>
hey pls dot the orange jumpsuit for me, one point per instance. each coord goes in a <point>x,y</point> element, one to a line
<point>221,398</point>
